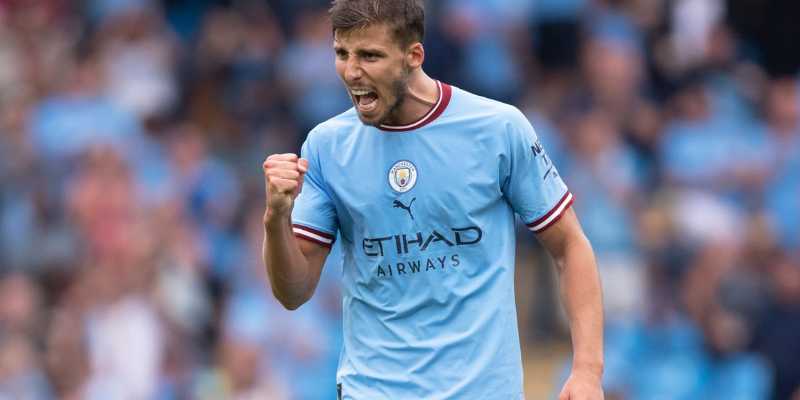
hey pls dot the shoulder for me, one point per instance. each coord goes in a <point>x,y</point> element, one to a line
<point>488,114</point>
<point>497,111</point>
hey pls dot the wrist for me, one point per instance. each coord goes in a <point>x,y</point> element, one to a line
<point>594,368</point>
<point>273,217</point>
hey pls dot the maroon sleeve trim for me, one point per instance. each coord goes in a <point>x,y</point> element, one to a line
<point>553,215</point>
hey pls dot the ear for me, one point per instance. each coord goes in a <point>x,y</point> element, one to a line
<point>415,55</point>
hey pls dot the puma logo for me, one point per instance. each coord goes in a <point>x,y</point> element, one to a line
<point>399,204</point>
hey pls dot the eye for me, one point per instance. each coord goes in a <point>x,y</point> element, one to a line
<point>372,57</point>
<point>341,54</point>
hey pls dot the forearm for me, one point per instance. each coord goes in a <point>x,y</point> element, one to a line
<point>287,268</point>
<point>581,294</point>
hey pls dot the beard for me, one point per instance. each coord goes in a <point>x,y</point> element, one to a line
<point>399,91</point>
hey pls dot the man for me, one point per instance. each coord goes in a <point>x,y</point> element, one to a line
<point>420,182</point>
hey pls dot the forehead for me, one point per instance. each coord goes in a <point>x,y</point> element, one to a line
<point>370,36</point>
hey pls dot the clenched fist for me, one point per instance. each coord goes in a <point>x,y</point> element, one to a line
<point>283,176</point>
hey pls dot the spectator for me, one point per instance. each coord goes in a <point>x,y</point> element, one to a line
<point>130,209</point>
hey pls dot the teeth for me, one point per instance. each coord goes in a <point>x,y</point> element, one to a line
<point>360,92</point>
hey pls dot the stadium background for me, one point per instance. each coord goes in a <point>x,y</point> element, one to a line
<point>131,139</point>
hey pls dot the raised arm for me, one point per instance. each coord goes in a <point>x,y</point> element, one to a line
<point>580,291</point>
<point>293,265</point>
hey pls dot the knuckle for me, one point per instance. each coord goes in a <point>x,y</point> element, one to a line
<point>280,166</point>
<point>281,157</point>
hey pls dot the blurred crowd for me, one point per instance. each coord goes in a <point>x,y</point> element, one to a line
<point>132,134</point>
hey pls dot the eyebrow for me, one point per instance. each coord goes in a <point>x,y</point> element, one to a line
<point>364,52</point>
<point>361,52</point>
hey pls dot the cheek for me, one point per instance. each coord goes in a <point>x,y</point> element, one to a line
<point>340,69</point>
<point>389,78</point>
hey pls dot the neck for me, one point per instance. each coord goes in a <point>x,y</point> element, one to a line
<point>422,94</point>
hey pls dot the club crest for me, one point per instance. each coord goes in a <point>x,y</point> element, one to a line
<point>402,176</point>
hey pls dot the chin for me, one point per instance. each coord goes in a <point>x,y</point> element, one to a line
<point>375,121</point>
<point>369,122</point>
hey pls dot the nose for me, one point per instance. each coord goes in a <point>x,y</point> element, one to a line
<point>352,70</point>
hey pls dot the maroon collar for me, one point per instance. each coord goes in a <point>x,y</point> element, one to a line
<point>445,92</point>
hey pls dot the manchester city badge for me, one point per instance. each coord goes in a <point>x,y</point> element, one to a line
<point>402,176</point>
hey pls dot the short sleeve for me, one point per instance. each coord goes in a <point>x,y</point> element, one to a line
<point>314,214</point>
<point>531,182</point>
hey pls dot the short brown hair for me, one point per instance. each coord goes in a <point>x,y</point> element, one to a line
<point>406,18</point>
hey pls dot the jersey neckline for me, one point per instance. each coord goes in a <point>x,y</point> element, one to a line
<point>445,93</point>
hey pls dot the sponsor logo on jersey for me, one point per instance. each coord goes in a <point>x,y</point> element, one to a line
<point>403,176</point>
<point>399,204</point>
<point>404,243</point>
<point>415,266</point>
<point>537,148</point>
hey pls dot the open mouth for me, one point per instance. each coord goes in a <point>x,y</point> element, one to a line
<point>366,100</point>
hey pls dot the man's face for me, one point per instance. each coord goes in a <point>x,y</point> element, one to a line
<point>374,70</point>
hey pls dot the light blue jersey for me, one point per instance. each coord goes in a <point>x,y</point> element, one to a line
<point>425,217</point>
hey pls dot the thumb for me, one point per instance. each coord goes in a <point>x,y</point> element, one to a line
<point>302,167</point>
